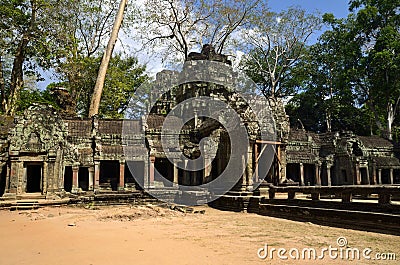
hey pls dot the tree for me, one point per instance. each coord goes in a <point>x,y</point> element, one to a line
<point>98,88</point>
<point>28,30</point>
<point>124,76</point>
<point>89,25</point>
<point>180,26</point>
<point>275,45</point>
<point>372,37</point>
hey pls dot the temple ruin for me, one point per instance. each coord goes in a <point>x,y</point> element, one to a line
<point>46,153</point>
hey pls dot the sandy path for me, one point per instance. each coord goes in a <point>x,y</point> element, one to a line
<point>166,237</point>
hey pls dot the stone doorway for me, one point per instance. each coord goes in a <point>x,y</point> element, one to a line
<point>134,173</point>
<point>83,178</point>
<point>34,178</point>
<point>109,174</point>
<point>68,178</point>
<point>3,177</point>
<point>364,176</point>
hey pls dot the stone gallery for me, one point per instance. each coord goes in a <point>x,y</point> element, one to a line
<point>46,151</point>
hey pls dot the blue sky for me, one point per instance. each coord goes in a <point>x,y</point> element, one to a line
<point>339,8</point>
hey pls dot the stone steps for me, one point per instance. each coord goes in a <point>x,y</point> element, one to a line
<point>31,196</point>
<point>25,205</point>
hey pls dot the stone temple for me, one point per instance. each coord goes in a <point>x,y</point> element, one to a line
<point>46,152</point>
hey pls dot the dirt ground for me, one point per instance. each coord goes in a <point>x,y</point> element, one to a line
<point>156,235</point>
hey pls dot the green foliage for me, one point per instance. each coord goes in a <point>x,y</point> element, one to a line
<point>353,81</point>
<point>124,76</point>
<point>276,47</point>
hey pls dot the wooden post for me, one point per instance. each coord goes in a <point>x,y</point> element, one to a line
<point>256,154</point>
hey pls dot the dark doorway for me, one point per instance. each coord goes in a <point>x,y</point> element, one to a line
<point>324,175</point>
<point>165,171</point>
<point>364,175</point>
<point>34,178</point>
<point>396,176</point>
<point>134,173</point>
<point>3,177</point>
<point>309,175</point>
<point>293,172</point>
<point>344,179</point>
<point>68,178</point>
<point>385,176</point>
<point>83,178</point>
<point>109,174</point>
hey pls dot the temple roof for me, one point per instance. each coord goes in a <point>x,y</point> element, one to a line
<point>375,142</point>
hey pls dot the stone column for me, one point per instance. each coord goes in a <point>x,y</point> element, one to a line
<point>358,176</point>
<point>121,184</point>
<point>23,179</point>
<point>302,174</point>
<point>244,174</point>
<point>13,179</point>
<point>278,158</point>
<point>146,176</point>
<point>91,178</point>
<point>249,169</point>
<point>328,174</point>
<point>75,171</point>
<point>317,175</point>
<point>96,175</point>
<point>283,163</point>
<point>186,173</point>
<point>380,176</point>
<point>374,174</point>
<point>391,176</point>
<point>207,169</point>
<point>176,173</point>
<point>151,173</point>
<point>52,177</point>
<point>20,177</point>
<point>7,190</point>
<point>45,179</point>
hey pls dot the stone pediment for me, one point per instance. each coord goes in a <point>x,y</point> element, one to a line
<point>38,130</point>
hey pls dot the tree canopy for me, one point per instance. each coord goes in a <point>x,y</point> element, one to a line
<point>347,80</point>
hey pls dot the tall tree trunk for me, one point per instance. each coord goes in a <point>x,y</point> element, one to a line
<point>17,74</point>
<point>2,85</point>
<point>376,116</point>
<point>17,78</point>
<point>98,88</point>
<point>328,121</point>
